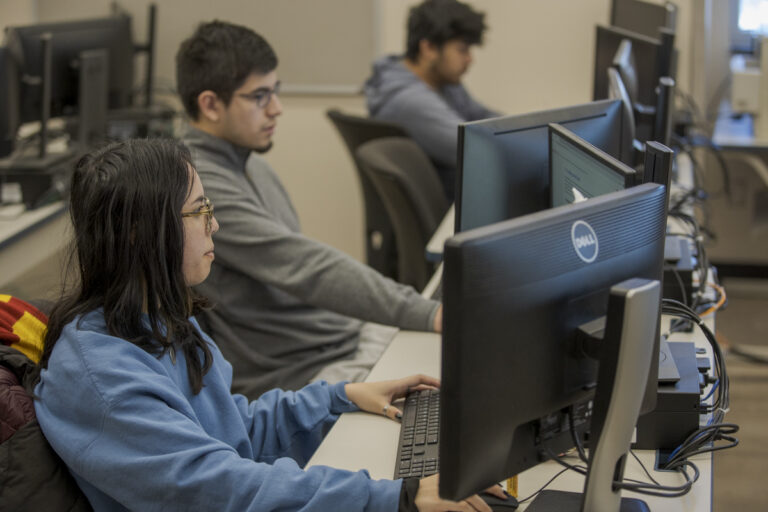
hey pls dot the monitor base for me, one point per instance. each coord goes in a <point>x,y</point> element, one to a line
<point>564,501</point>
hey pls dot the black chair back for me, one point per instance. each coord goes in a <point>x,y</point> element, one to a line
<point>412,194</point>
<point>380,244</point>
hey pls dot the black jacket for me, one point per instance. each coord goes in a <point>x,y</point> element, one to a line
<point>32,476</point>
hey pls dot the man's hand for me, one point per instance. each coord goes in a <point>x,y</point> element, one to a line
<point>437,325</point>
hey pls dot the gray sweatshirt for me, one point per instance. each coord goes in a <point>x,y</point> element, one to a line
<point>285,305</point>
<point>393,93</point>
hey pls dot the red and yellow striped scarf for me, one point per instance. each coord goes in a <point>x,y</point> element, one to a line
<point>22,326</point>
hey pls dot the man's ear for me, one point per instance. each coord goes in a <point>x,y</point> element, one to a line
<point>428,51</point>
<point>210,106</point>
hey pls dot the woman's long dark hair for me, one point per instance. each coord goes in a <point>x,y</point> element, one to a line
<point>126,201</point>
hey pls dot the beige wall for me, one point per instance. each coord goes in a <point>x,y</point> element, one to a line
<point>537,54</point>
<point>17,12</point>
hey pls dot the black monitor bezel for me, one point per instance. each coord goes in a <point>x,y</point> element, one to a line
<point>466,401</point>
<point>594,110</point>
<point>627,173</point>
<point>22,42</point>
<point>640,43</point>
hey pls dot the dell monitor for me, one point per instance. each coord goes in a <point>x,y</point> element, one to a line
<point>643,17</point>
<point>521,298</point>
<point>503,169</point>
<point>578,170</point>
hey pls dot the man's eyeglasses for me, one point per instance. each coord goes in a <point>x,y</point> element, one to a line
<point>262,96</point>
<point>207,210</point>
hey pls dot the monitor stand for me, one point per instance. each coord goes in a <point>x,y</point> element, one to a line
<point>625,361</point>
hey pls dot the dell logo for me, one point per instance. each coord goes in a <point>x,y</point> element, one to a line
<point>584,241</point>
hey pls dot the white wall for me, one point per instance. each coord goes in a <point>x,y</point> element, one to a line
<point>537,54</point>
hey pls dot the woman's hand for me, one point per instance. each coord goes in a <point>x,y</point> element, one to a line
<point>377,397</point>
<point>427,499</point>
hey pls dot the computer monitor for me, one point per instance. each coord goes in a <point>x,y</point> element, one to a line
<point>645,51</point>
<point>9,103</point>
<point>618,91</point>
<point>578,170</point>
<point>68,40</point>
<point>503,169</point>
<point>520,299</point>
<point>662,127</point>
<point>658,164</point>
<point>624,63</point>
<point>643,17</point>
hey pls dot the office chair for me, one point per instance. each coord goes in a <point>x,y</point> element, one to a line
<point>413,196</point>
<point>380,245</point>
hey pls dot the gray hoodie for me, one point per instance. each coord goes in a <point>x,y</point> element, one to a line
<point>393,93</point>
<point>285,305</point>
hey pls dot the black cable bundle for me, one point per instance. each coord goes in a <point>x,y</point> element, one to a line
<point>703,440</point>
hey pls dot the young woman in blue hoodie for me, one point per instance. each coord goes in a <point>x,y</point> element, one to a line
<point>136,399</point>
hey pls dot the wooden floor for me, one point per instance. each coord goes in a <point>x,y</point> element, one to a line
<point>740,482</point>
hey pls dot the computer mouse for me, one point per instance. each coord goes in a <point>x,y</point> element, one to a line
<point>499,504</point>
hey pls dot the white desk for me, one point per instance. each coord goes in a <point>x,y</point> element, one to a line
<point>30,239</point>
<point>365,441</point>
<point>446,228</point>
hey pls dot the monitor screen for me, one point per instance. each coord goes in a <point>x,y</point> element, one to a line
<point>642,16</point>
<point>504,162</point>
<point>515,296</point>
<point>579,171</point>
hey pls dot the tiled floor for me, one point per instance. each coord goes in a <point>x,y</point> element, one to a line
<point>740,473</point>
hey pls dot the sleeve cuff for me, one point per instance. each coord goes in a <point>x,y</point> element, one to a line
<point>339,401</point>
<point>384,496</point>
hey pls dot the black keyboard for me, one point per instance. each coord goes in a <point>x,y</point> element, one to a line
<point>419,435</point>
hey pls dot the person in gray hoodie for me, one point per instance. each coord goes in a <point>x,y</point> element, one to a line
<point>421,91</point>
<point>288,309</point>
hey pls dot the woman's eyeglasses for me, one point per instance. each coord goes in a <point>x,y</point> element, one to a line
<point>207,210</point>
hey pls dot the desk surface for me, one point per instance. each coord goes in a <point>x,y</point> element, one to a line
<point>737,133</point>
<point>365,441</point>
<point>31,238</point>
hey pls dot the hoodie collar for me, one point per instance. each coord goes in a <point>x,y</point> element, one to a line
<point>222,151</point>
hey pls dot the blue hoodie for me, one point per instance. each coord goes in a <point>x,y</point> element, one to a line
<point>393,93</point>
<point>136,437</point>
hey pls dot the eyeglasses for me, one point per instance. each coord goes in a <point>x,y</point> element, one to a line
<point>207,210</point>
<point>262,96</point>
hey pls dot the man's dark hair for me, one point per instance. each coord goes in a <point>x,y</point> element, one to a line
<point>125,205</point>
<point>218,57</point>
<point>439,21</point>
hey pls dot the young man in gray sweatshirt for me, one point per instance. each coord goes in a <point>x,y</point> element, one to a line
<point>287,309</point>
<point>422,90</point>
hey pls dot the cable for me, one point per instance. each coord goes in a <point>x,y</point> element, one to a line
<point>543,486</point>
<point>757,358</point>
<point>575,436</point>
<point>664,491</point>
<point>703,439</point>
<point>640,487</point>
<point>631,452</point>
<point>720,301</point>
